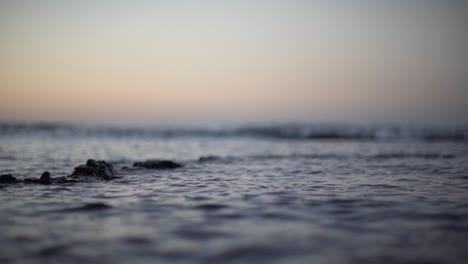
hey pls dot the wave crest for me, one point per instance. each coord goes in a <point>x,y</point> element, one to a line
<point>292,132</point>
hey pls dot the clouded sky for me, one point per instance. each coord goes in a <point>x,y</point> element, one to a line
<point>234,60</point>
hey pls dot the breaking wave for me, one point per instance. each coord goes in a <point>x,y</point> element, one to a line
<point>281,131</point>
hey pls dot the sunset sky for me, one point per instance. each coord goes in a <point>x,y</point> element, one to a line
<point>234,60</point>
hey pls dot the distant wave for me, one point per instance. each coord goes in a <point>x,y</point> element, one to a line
<point>284,131</point>
<point>382,156</point>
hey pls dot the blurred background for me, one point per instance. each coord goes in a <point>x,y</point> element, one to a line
<point>303,131</point>
<point>229,61</point>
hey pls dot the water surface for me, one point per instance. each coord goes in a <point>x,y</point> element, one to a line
<point>278,194</point>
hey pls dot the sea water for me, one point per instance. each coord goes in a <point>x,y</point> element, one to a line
<point>297,193</point>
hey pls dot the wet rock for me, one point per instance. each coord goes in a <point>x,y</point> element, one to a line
<point>89,207</point>
<point>7,178</point>
<point>91,170</point>
<point>31,181</point>
<point>208,158</point>
<point>45,178</point>
<point>157,164</point>
<point>99,169</point>
<point>63,179</point>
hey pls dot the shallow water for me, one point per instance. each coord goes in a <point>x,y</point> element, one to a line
<point>248,200</point>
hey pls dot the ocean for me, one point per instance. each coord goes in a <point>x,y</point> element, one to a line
<point>277,193</point>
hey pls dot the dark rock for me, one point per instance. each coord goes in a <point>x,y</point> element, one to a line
<point>99,169</point>
<point>89,207</point>
<point>208,158</point>
<point>45,178</point>
<point>157,164</point>
<point>7,178</point>
<point>63,179</point>
<point>91,170</point>
<point>32,181</point>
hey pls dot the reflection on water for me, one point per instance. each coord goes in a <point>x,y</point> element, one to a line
<point>248,200</point>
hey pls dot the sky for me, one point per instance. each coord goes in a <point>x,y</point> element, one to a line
<point>388,61</point>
